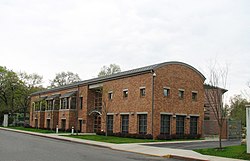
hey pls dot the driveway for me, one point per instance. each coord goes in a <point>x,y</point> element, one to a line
<point>195,145</point>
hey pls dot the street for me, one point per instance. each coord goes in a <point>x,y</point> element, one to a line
<point>22,147</point>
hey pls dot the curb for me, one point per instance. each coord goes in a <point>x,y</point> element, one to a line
<point>184,158</point>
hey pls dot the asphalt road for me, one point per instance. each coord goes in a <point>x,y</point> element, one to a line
<point>196,145</point>
<point>22,147</point>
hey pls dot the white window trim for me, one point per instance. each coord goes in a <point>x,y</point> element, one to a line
<point>166,113</point>
<point>141,113</point>
<point>142,87</point>
<point>125,90</point>
<point>124,113</point>
<point>180,114</point>
<point>194,115</point>
<point>110,113</point>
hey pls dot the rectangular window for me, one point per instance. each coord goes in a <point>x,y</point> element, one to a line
<point>98,99</point>
<point>165,124</point>
<point>50,105</point>
<point>73,103</point>
<point>143,92</point>
<point>110,124</point>
<point>56,104</point>
<point>180,126</point>
<point>194,96</point>
<point>43,105</point>
<point>142,123</point>
<point>181,94</point>
<point>125,123</point>
<point>81,102</point>
<point>125,93</point>
<point>110,95</point>
<point>166,92</point>
<point>64,104</point>
<point>193,125</point>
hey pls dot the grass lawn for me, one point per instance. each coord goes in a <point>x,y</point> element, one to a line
<point>32,129</point>
<point>237,152</point>
<point>112,139</point>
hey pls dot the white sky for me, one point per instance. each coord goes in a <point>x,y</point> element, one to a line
<point>49,36</point>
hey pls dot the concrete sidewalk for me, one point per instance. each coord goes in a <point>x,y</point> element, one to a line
<point>135,148</point>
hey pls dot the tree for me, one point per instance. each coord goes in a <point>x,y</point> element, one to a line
<point>238,109</point>
<point>215,96</point>
<point>108,70</point>
<point>9,87</point>
<point>30,84</point>
<point>64,78</point>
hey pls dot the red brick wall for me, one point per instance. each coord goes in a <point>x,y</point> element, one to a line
<point>132,104</point>
<point>173,76</point>
<point>178,77</point>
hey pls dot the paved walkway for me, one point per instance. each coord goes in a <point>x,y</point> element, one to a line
<point>137,148</point>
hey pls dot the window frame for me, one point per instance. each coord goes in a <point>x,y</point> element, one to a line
<point>167,89</point>
<point>181,94</point>
<point>125,127</point>
<point>110,95</point>
<point>193,125</point>
<point>142,91</point>
<point>125,93</point>
<point>165,127</point>
<point>194,96</point>
<point>180,126</point>
<point>110,124</point>
<point>142,123</point>
<point>81,103</point>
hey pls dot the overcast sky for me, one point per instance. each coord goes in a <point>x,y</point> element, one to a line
<point>51,36</point>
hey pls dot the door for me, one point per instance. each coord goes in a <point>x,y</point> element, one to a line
<point>63,126</point>
<point>48,123</point>
<point>36,123</point>
<point>97,123</point>
<point>80,126</point>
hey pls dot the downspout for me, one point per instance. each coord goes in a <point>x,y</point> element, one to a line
<point>153,100</point>
<point>77,99</point>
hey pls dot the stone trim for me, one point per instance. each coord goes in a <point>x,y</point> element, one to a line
<point>141,113</point>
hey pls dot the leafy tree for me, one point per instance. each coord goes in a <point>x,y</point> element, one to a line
<point>238,109</point>
<point>108,70</point>
<point>64,78</point>
<point>9,87</point>
<point>30,83</point>
<point>15,90</point>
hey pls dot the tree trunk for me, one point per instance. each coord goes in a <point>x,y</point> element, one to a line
<point>220,135</point>
<point>106,133</point>
<point>24,116</point>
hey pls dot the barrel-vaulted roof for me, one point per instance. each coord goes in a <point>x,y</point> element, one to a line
<point>133,72</point>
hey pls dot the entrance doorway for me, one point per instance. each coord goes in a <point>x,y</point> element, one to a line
<point>80,126</point>
<point>63,126</point>
<point>48,123</point>
<point>36,123</point>
<point>97,123</point>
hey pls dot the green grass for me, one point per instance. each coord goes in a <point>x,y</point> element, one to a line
<point>237,152</point>
<point>112,139</point>
<point>32,129</point>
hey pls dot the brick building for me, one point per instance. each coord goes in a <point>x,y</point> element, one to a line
<point>166,98</point>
